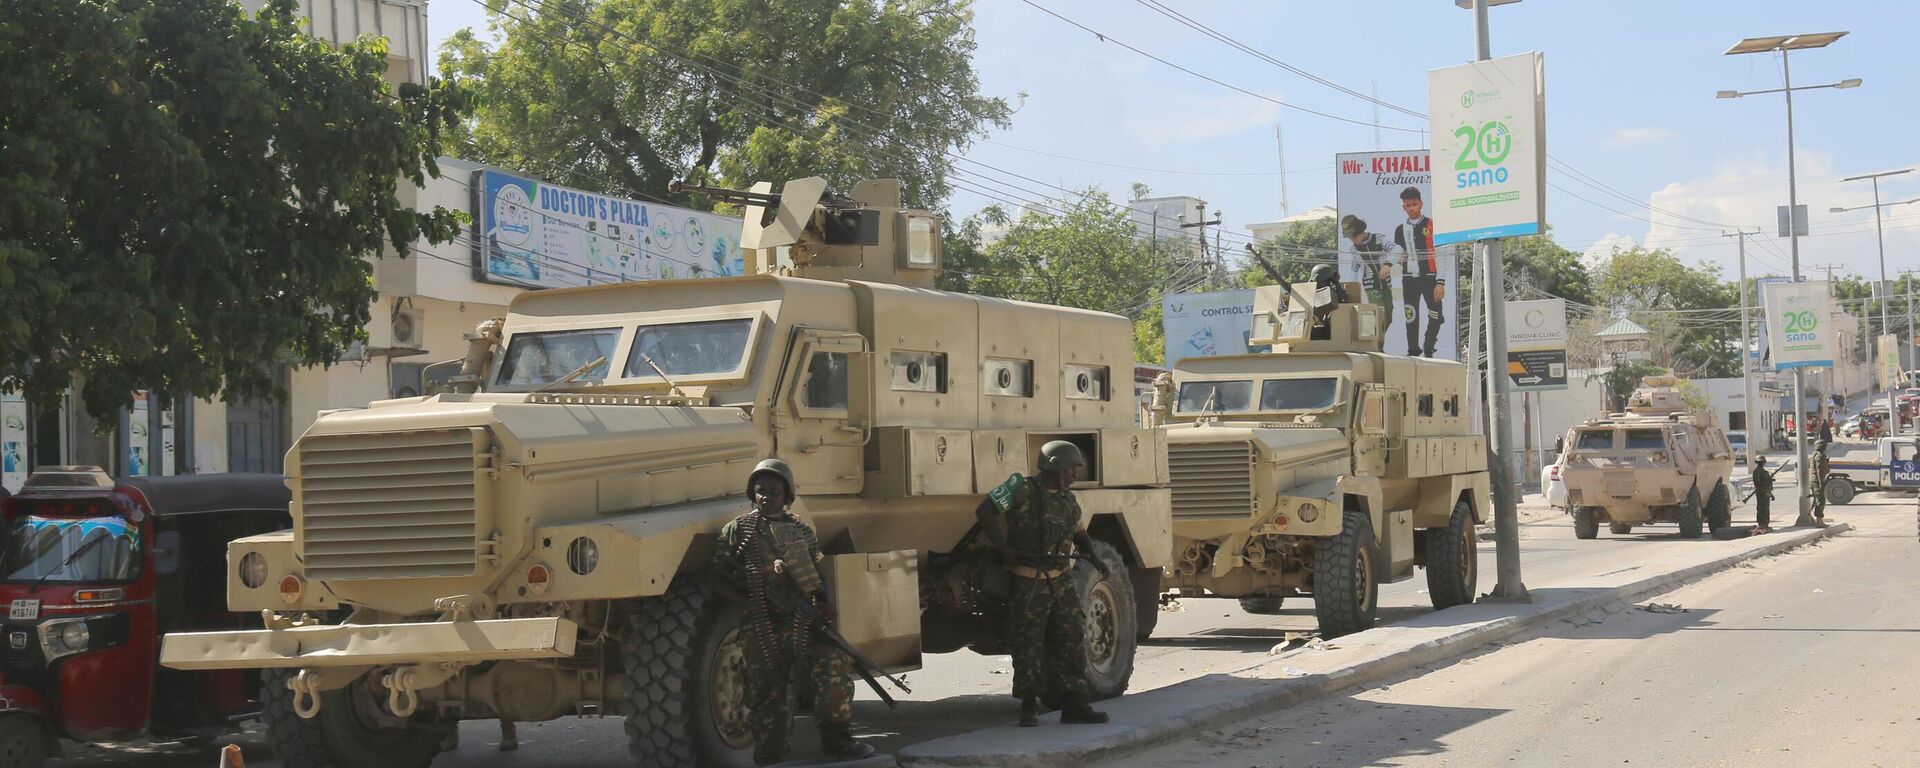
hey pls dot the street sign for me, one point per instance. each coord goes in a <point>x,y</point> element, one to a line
<point>1799,220</point>
<point>1537,344</point>
<point>1489,140</point>
<point>1797,318</point>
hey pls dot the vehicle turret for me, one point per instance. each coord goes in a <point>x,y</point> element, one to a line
<point>1305,317</point>
<point>868,235</point>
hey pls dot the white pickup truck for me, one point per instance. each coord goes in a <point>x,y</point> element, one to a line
<point>1891,464</point>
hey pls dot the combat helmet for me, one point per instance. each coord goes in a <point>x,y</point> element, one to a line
<point>777,467</point>
<point>1057,455</point>
<point>1325,273</point>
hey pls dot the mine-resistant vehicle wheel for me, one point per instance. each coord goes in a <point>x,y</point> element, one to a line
<point>1108,603</point>
<point>353,727</point>
<point>686,670</point>
<point>1689,513</point>
<point>1453,559</point>
<point>1839,491</point>
<point>24,742</point>
<point>1719,507</point>
<point>1586,522</point>
<point>1261,605</point>
<point>1619,529</point>
<point>1346,595</point>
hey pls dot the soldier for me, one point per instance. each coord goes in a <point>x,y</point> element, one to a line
<point>1326,277</point>
<point>1034,524</point>
<point>1818,479</point>
<point>766,555</point>
<point>1762,495</point>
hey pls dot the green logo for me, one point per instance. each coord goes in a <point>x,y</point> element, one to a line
<point>1801,322</point>
<point>1466,99</point>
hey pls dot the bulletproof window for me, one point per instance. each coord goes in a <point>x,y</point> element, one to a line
<point>1216,396</point>
<point>1007,378</point>
<point>1085,382</point>
<point>1594,440</point>
<point>701,348</point>
<point>534,359</point>
<point>1452,405</point>
<point>826,382</point>
<point>1298,394</point>
<point>1425,405</point>
<point>1645,440</point>
<point>918,371</point>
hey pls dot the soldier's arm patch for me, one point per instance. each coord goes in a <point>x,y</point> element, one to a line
<point>1006,496</point>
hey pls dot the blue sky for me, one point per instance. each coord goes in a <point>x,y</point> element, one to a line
<point>1630,102</point>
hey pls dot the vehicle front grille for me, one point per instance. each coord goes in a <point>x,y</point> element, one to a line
<point>1211,480</point>
<point>390,505</point>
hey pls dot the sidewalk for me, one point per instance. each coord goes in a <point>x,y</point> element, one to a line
<point>1149,718</point>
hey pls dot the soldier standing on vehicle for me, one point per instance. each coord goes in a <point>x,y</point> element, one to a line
<point>1326,278</point>
<point>1762,495</point>
<point>767,554</point>
<point>1818,479</point>
<point>1034,524</point>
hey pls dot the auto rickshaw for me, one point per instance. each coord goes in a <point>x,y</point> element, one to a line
<point>92,573</point>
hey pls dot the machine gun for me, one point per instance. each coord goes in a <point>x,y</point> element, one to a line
<point>806,204</point>
<point>724,195</point>
<point>786,597</point>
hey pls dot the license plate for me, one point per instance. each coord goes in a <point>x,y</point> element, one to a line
<point>25,610</point>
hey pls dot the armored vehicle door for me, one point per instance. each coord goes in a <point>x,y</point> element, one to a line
<point>823,409</point>
<point>1374,422</point>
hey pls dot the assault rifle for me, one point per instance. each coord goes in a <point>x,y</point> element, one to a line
<point>784,596</point>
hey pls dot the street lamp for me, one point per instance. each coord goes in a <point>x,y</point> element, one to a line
<point>1893,408</point>
<point>1784,44</point>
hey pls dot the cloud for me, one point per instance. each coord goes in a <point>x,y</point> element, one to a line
<point>1625,137</point>
<point>1605,246</point>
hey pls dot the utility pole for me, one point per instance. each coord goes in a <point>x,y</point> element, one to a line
<point>1506,519</point>
<point>1205,261</point>
<point>1746,337</point>
<point>1886,326</point>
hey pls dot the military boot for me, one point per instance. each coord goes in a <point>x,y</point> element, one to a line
<point>837,742</point>
<point>1029,712</point>
<point>1079,712</point>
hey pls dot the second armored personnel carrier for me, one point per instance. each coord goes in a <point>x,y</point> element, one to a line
<point>1659,461</point>
<point>538,545</point>
<point>1325,467</point>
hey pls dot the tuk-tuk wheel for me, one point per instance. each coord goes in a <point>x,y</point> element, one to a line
<point>24,742</point>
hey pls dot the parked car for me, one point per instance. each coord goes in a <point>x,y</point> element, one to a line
<point>1851,428</point>
<point>1551,486</point>
<point>93,572</point>
<point>1738,439</point>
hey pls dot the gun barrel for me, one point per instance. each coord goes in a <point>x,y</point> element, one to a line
<point>722,194</point>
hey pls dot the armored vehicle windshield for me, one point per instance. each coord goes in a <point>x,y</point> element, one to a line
<point>1276,395</point>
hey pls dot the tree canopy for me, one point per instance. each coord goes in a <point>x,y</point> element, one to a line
<point>190,196</point>
<point>623,96</point>
<point>1691,311</point>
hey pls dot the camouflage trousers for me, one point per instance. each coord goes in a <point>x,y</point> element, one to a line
<point>1381,296</point>
<point>825,669</point>
<point>1047,637</point>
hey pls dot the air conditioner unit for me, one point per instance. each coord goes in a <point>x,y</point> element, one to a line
<point>409,328</point>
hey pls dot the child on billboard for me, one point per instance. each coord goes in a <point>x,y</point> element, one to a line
<point>1421,282</point>
<point>1376,269</point>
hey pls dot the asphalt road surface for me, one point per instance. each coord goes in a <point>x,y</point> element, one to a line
<point>960,692</point>
<point>1801,659</point>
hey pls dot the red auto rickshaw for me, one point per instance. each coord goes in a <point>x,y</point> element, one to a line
<point>92,573</point>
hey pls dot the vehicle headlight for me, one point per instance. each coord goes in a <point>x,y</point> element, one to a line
<point>75,636</point>
<point>253,570</point>
<point>583,556</point>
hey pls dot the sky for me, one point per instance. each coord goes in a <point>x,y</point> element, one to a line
<point>1630,100</point>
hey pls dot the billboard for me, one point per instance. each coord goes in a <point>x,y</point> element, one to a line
<point>1489,133</point>
<point>13,441</point>
<point>1537,344</point>
<point>1385,238</point>
<point>1798,316</point>
<point>1205,324</point>
<point>545,236</point>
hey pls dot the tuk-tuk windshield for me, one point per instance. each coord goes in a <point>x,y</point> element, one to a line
<point>44,548</point>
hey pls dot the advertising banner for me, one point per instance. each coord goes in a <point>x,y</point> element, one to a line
<point>1205,324</point>
<point>13,441</point>
<point>1888,346</point>
<point>1537,344</point>
<point>546,236</point>
<point>139,459</point>
<point>1489,136</point>
<point>1798,316</point>
<point>1385,238</point>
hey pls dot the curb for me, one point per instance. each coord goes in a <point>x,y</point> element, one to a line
<point>1185,708</point>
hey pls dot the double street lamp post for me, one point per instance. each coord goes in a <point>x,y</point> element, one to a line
<point>1884,291</point>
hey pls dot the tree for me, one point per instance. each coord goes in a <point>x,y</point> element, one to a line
<point>190,196</point>
<point>1538,263</point>
<point>1690,310</point>
<point>1293,253</point>
<point>1624,378</point>
<point>623,96</point>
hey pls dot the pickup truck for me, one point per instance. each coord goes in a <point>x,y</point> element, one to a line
<point>1890,464</point>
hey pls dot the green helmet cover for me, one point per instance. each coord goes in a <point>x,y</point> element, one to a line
<point>776,466</point>
<point>1057,455</point>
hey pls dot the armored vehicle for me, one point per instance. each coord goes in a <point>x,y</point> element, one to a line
<point>1660,461</point>
<point>1324,467</point>
<point>537,545</point>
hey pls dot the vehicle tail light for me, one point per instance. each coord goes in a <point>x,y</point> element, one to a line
<point>98,595</point>
<point>539,577</point>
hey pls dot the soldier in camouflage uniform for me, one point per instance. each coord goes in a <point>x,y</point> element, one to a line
<point>1818,480</point>
<point>1034,524</point>
<point>768,557</point>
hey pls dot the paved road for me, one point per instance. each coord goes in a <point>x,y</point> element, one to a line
<point>1804,658</point>
<point>963,691</point>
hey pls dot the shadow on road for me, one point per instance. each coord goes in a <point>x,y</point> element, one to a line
<point>1371,734</point>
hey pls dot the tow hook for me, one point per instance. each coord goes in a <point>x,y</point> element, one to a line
<point>306,695</point>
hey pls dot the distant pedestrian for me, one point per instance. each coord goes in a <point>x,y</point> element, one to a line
<point>1762,495</point>
<point>1826,430</point>
<point>1818,479</point>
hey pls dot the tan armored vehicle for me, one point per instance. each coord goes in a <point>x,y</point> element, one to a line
<point>1322,468</point>
<point>536,546</point>
<point>1658,462</point>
